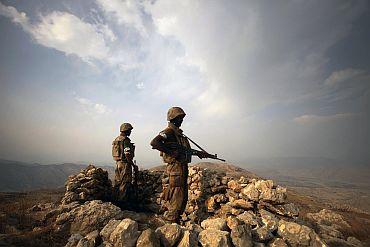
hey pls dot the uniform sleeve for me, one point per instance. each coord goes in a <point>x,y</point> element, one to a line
<point>159,141</point>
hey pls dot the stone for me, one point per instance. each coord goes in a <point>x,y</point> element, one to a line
<point>211,204</point>
<point>263,185</point>
<point>298,235</point>
<point>217,224</point>
<point>93,215</point>
<point>233,222</point>
<point>108,229</point>
<point>281,194</point>
<point>125,234</point>
<point>90,184</point>
<point>241,236</point>
<point>337,242</point>
<point>354,242</point>
<point>105,244</point>
<point>269,220</point>
<point>169,234</point>
<point>90,240</point>
<point>241,203</point>
<point>73,240</point>
<point>289,209</point>
<point>189,239</point>
<point>328,217</point>
<point>225,209</point>
<point>249,218</point>
<point>251,192</point>
<point>148,238</point>
<point>258,244</point>
<point>214,238</point>
<point>329,231</point>
<point>262,234</point>
<point>235,186</point>
<point>277,242</point>
<point>236,211</point>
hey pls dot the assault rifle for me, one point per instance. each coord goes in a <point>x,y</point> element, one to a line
<point>190,151</point>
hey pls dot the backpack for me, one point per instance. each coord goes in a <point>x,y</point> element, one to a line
<point>117,148</point>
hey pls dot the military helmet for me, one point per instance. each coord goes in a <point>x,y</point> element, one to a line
<point>125,126</point>
<point>174,112</point>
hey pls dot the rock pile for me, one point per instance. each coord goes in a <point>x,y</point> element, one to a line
<point>221,211</point>
<point>90,184</point>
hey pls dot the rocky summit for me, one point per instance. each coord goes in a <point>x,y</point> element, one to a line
<point>222,210</point>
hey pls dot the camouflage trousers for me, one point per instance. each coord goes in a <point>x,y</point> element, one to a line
<point>177,192</point>
<point>122,181</point>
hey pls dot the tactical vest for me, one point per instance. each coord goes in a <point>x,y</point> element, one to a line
<point>181,140</point>
<point>118,149</point>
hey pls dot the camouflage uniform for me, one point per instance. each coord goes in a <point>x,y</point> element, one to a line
<point>177,167</point>
<point>124,164</point>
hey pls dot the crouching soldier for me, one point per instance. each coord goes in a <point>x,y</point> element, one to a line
<point>123,152</point>
<point>172,145</point>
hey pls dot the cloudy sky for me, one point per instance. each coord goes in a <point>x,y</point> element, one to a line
<point>256,78</point>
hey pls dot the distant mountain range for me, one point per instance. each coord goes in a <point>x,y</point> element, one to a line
<point>20,176</point>
<point>300,171</point>
<point>306,169</point>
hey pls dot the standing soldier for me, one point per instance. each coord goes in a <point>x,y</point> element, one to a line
<point>172,145</point>
<point>123,152</point>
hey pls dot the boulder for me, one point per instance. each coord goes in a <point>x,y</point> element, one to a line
<point>241,203</point>
<point>262,234</point>
<point>90,240</point>
<point>108,229</point>
<point>90,184</point>
<point>249,218</point>
<point>277,242</point>
<point>73,240</point>
<point>251,192</point>
<point>214,238</point>
<point>125,234</point>
<point>235,186</point>
<point>93,215</point>
<point>263,185</point>
<point>169,234</point>
<point>298,235</point>
<point>241,236</point>
<point>354,242</point>
<point>148,238</point>
<point>233,222</point>
<point>328,217</point>
<point>217,224</point>
<point>269,220</point>
<point>188,240</point>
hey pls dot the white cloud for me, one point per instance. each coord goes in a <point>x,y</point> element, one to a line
<point>315,119</point>
<point>127,12</point>
<point>92,108</point>
<point>253,54</point>
<point>341,76</point>
<point>66,33</point>
<point>12,13</point>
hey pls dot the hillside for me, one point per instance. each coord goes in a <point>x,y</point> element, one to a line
<point>18,176</point>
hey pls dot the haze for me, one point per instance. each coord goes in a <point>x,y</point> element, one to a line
<point>256,78</point>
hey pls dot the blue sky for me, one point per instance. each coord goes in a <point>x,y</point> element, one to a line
<point>257,78</point>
